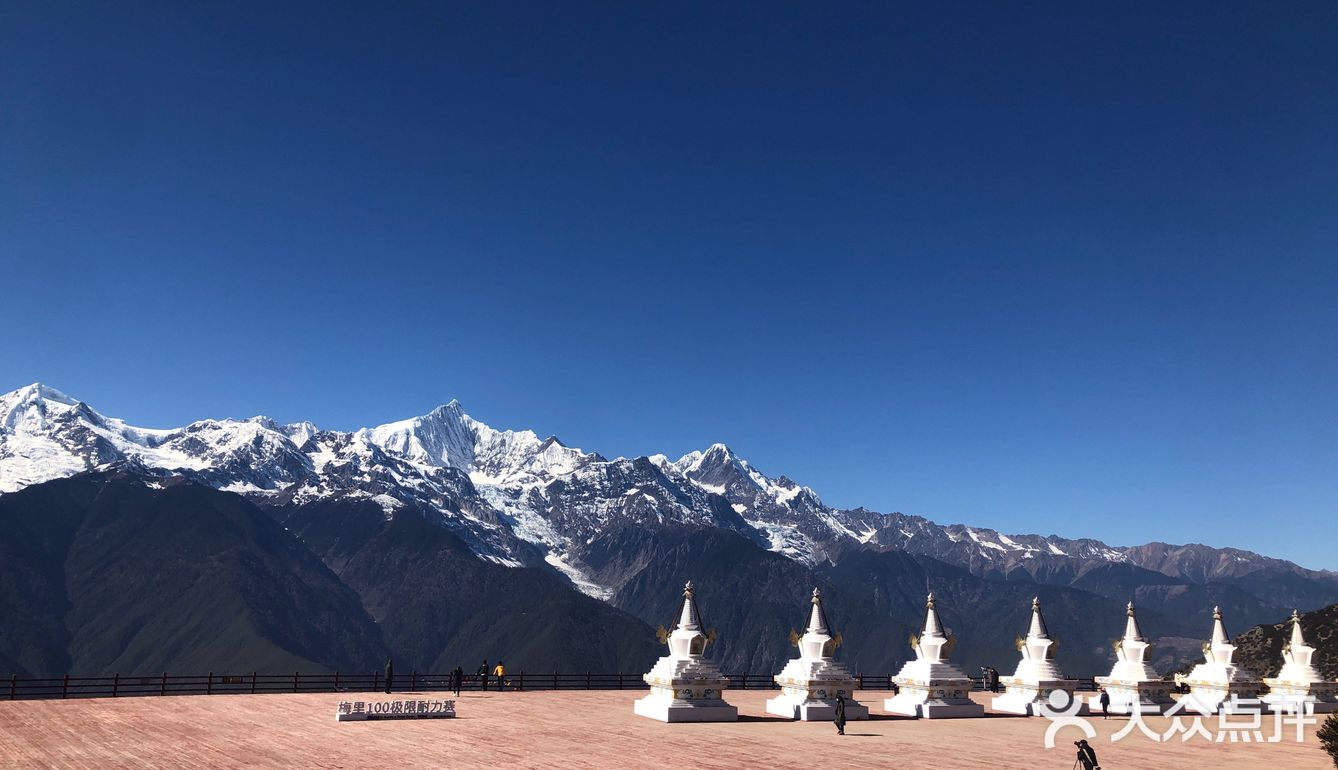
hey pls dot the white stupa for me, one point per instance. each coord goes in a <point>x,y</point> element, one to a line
<point>1133,684</point>
<point>685,686</point>
<point>1299,684</point>
<point>1213,682</point>
<point>811,682</point>
<point>930,686</point>
<point>1037,675</point>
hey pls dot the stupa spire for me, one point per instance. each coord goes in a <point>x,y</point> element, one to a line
<point>688,618</point>
<point>1038,629</point>
<point>1219,629</point>
<point>932,629</point>
<point>1298,640</point>
<point>817,617</point>
<point>1131,630</point>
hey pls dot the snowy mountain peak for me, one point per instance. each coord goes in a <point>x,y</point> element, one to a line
<point>512,496</point>
<point>37,392</point>
<point>444,437</point>
<point>32,405</point>
<point>447,437</point>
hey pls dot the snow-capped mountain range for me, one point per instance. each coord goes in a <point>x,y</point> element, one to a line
<point>521,500</point>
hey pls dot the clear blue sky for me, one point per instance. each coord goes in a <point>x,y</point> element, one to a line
<point>1062,268</point>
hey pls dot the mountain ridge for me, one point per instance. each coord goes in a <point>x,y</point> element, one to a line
<point>491,486</point>
<point>460,540</point>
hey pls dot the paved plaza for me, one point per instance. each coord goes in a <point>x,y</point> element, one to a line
<point>576,729</point>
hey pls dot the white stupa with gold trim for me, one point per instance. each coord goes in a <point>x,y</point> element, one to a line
<point>1299,686</point>
<point>1213,682</point>
<point>811,682</point>
<point>684,685</point>
<point>1133,684</point>
<point>930,686</point>
<point>1037,675</point>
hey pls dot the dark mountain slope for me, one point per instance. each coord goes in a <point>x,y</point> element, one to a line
<point>753,598</point>
<point>440,606</point>
<point>1260,649</point>
<point>182,579</point>
<point>988,615</point>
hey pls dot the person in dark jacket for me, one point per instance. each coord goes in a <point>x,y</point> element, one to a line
<point>1104,700</point>
<point>840,718</point>
<point>457,678</point>
<point>390,676</point>
<point>483,675</point>
<point>1086,756</point>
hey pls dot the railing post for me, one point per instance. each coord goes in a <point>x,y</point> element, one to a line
<point>620,680</point>
<point>162,690</point>
<point>209,684</point>
<point>65,688</point>
<point>376,678</point>
<point>522,680</point>
<point>587,680</point>
<point>336,684</point>
<point>295,681</point>
<point>13,685</point>
<point>555,683</point>
<point>116,683</point>
<point>413,681</point>
<point>253,683</point>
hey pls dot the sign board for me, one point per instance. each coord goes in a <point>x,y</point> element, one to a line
<point>358,711</point>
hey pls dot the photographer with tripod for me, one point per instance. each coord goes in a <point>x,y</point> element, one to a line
<point>1086,757</point>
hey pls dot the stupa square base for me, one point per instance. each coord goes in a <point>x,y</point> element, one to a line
<point>1292,697</point>
<point>946,699</point>
<point>1298,705</point>
<point>671,710</point>
<point>930,709</point>
<point>1217,699</point>
<point>814,710</point>
<point>1028,699</point>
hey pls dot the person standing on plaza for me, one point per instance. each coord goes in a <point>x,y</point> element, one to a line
<point>390,675</point>
<point>840,718</point>
<point>1104,700</point>
<point>483,675</point>
<point>457,678</point>
<point>500,673</point>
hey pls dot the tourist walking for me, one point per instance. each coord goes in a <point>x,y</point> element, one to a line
<point>457,678</point>
<point>500,673</point>
<point>483,675</point>
<point>840,718</point>
<point>390,675</point>
<point>1104,700</point>
<point>1086,756</point>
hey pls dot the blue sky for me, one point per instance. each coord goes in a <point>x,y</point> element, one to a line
<point>1043,267</point>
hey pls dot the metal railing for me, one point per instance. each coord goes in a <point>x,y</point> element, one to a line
<point>117,685</point>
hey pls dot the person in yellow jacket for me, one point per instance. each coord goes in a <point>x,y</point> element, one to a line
<point>500,672</point>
